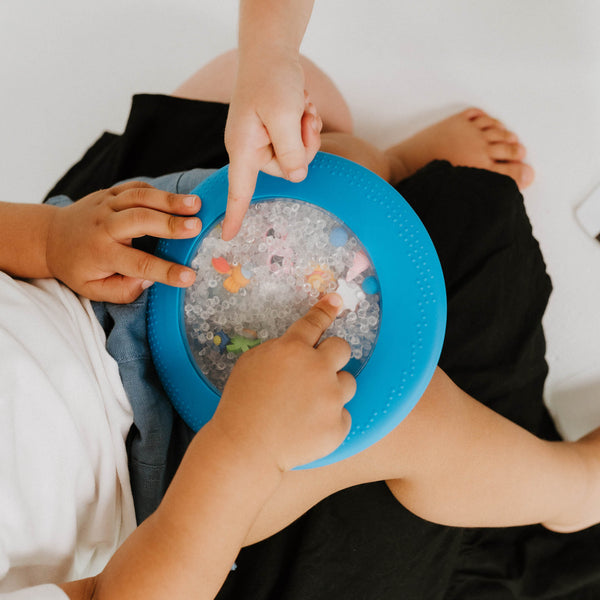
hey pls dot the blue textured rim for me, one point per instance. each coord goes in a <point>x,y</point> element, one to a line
<point>412,292</point>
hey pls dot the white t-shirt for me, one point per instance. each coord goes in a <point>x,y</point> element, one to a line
<point>65,499</point>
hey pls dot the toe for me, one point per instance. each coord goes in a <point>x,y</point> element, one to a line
<point>506,151</point>
<point>522,173</point>
<point>484,122</point>
<point>472,113</point>
<point>494,134</point>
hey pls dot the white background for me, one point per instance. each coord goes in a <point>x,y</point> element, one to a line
<point>69,67</point>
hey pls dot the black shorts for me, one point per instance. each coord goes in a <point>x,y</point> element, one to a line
<point>361,543</point>
<point>163,135</point>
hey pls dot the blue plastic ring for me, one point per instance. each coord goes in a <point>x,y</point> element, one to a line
<point>411,284</point>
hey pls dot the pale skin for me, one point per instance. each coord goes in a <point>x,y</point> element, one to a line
<point>452,460</point>
<point>99,229</point>
<point>270,121</point>
<point>233,465</point>
<point>253,437</point>
<point>280,102</point>
<point>469,138</point>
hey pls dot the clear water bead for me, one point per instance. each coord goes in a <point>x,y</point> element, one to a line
<point>281,262</point>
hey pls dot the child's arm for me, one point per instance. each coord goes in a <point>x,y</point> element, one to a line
<point>24,231</point>
<point>88,245</point>
<point>266,423</point>
<point>271,126</point>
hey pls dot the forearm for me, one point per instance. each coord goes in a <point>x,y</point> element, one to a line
<point>266,26</point>
<point>235,464</point>
<point>187,547</point>
<point>24,231</point>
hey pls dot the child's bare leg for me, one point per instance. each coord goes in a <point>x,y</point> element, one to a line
<point>456,462</point>
<point>358,150</point>
<point>214,83</point>
<point>470,138</point>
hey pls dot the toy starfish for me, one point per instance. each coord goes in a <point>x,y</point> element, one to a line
<point>351,294</point>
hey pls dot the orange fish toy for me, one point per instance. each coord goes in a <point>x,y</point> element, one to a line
<point>239,276</point>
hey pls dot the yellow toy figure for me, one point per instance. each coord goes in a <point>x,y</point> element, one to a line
<point>320,278</point>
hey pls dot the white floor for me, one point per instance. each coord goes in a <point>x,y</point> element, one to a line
<point>69,67</point>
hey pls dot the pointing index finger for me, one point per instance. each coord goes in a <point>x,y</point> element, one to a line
<point>313,324</point>
<point>242,181</point>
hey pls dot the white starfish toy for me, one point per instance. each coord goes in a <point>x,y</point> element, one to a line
<point>351,294</point>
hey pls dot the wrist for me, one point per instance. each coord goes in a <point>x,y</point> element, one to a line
<point>268,26</point>
<point>48,236</point>
<point>244,451</point>
<point>265,58</point>
<point>25,230</point>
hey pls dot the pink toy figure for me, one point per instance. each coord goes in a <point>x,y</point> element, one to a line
<point>238,276</point>
<point>280,254</point>
<point>360,263</point>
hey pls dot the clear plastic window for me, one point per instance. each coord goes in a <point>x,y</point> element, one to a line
<point>287,255</point>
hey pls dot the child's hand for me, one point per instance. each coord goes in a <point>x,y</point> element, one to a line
<point>287,395</point>
<point>89,243</point>
<point>272,127</point>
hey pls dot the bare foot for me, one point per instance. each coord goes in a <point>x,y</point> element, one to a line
<point>587,511</point>
<point>471,139</point>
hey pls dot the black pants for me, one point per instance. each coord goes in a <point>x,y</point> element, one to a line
<point>361,543</point>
